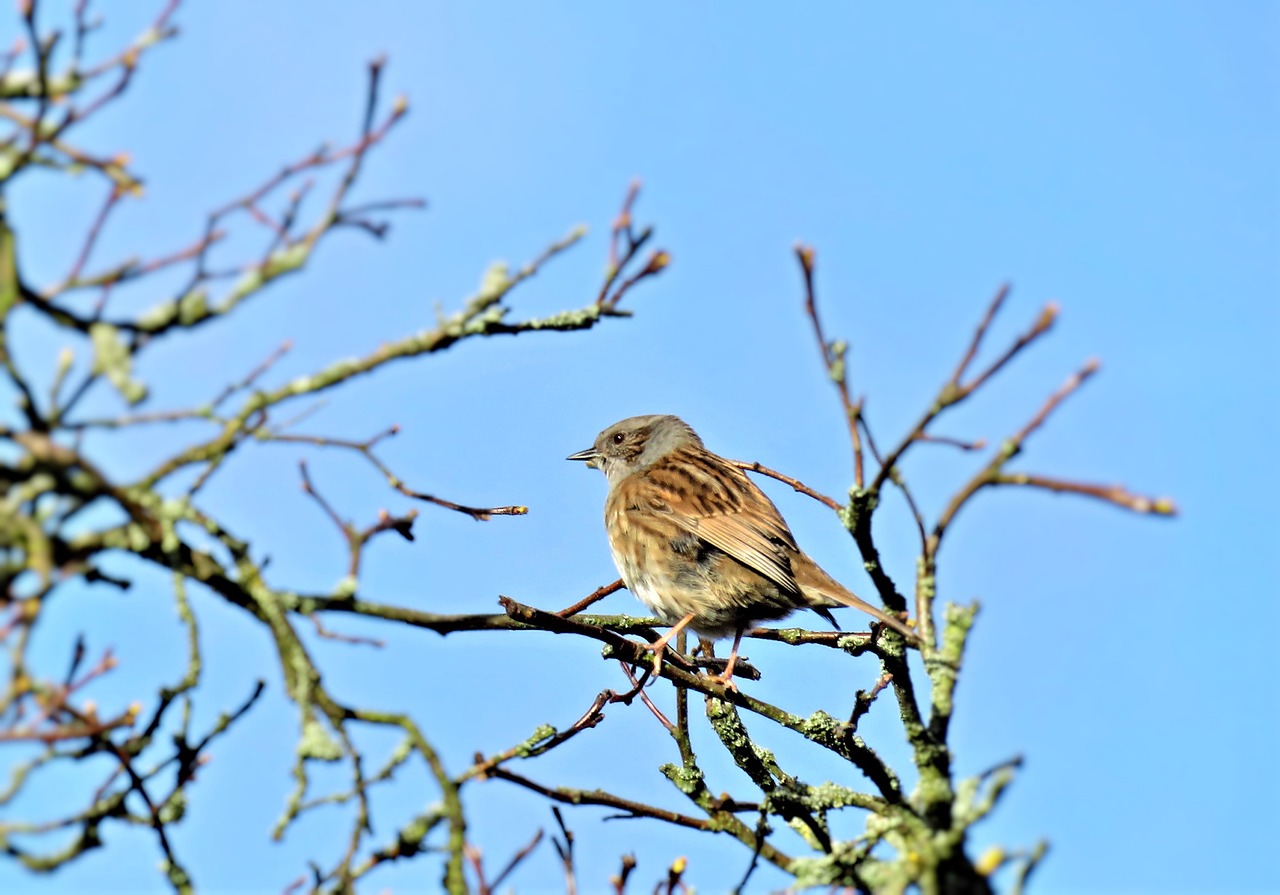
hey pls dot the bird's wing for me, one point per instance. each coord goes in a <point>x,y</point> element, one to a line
<point>711,498</point>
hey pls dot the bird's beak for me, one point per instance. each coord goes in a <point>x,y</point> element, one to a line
<point>589,455</point>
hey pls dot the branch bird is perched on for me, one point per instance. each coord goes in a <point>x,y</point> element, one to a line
<point>699,543</point>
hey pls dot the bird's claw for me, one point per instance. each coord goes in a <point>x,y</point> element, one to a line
<point>725,680</point>
<point>658,652</point>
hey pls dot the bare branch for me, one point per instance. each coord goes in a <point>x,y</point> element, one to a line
<point>794,483</point>
<point>592,598</point>
<point>1113,494</point>
<point>833,359</point>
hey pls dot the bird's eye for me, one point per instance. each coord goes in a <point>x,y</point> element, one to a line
<point>617,437</point>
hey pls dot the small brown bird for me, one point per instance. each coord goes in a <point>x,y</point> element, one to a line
<point>699,543</point>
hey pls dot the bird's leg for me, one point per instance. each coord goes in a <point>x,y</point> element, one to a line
<point>725,678</point>
<point>659,646</point>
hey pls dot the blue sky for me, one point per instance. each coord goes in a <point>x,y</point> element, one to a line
<point>1118,159</point>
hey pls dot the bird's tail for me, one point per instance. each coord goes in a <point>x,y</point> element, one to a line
<point>824,592</point>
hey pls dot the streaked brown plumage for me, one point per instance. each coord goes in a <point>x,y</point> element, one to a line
<point>698,542</point>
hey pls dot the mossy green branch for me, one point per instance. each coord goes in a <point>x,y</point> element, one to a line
<point>944,666</point>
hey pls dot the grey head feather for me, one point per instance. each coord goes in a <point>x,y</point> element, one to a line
<point>640,441</point>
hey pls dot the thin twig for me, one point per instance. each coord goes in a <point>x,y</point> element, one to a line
<point>365,449</point>
<point>794,483</point>
<point>310,490</point>
<point>592,598</point>
<point>255,374</point>
<point>901,484</point>
<point>1113,494</point>
<point>956,390</point>
<point>483,767</point>
<point>833,359</point>
<point>567,796</point>
<point>565,852</point>
<point>516,859</point>
<point>1009,449</point>
<point>324,632</point>
<point>638,688</point>
<point>863,699</point>
<point>623,229</point>
<point>983,325</point>
<point>1042,325</point>
<point>619,880</point>
<point>95,230</point>
<point>953,442</point>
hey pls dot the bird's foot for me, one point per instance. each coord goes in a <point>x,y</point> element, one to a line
<point>659,651</point>
<point>725,679</point>
<point>659,646</point>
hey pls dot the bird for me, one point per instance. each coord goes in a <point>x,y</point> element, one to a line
<point>698,542</point>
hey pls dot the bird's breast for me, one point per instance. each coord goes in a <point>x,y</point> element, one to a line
<point>642,546</point>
